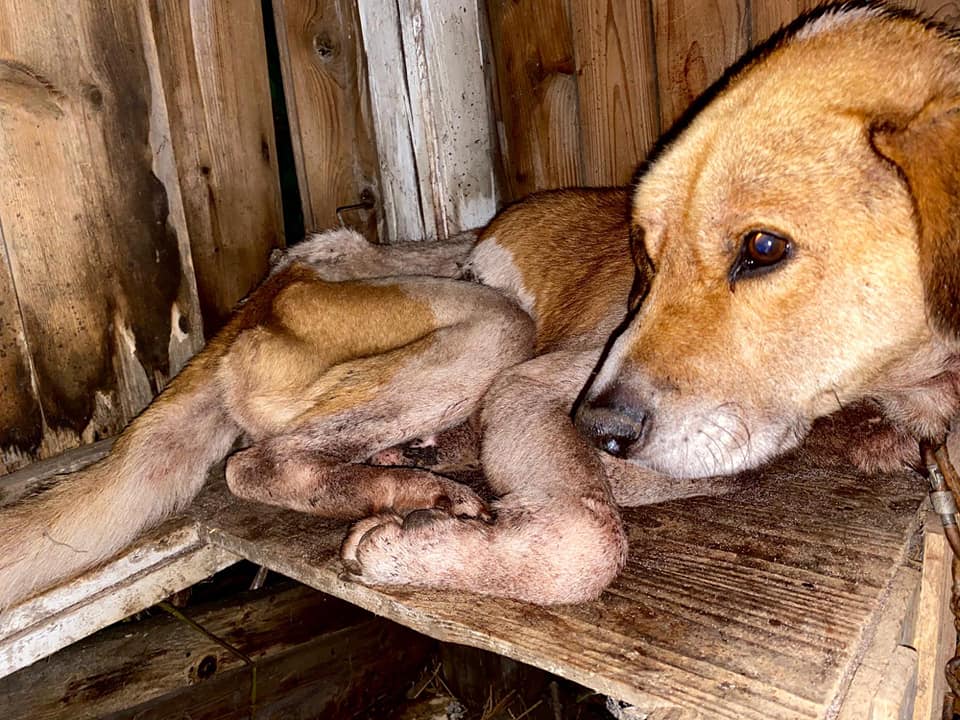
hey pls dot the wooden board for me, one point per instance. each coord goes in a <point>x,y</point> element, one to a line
<point>433,125</point>
<point>324,70</point>
<point>754,605</point>
<point>616,71</point>
<point>212,66</point>
<point>102,280</point>
<point>162,562</point>
<point>315,657</point>
<point>696,41</point>
<point>536,102</point>
<point>770,15</point>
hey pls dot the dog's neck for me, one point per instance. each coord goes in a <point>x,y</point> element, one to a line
<point>921,396</point>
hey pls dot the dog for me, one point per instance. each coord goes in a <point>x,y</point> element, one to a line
<point>791,248</point>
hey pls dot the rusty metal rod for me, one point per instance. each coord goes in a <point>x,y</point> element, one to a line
<point>939,468</point>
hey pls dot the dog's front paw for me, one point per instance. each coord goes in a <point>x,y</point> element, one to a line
<point>416,550</point>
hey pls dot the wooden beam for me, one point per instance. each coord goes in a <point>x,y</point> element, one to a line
<point>315,656</point>
<point>165,561</point>
<point>934,636</point>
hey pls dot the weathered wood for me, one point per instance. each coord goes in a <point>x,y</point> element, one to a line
<point>770,15</point>
<point>21,424</point>
<point>165,561</point>
<point>312,652</point>
<point>696,41</point>
<point>15,485</point>
<point>754,605</point>
<point>536,100</point>
<point>885,676</point>
<point>324,70</point>
<point>212,66</point>
<point>98,273</point>
<point>934,636</point>
<point>617,83</point>
<point>432,118</point>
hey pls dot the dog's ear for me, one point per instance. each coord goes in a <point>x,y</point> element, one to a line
<point>926,148</point>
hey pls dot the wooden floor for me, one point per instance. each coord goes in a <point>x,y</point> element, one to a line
<point>760,604</point>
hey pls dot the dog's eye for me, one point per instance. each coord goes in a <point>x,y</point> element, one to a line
<point>760,251</point>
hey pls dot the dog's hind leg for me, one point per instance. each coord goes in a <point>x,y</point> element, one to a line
<point>310,437</point>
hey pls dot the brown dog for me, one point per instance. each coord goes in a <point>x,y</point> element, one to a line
<point>798,227</point>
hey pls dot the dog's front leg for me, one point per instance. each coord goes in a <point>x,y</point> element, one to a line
<point>557,536</point>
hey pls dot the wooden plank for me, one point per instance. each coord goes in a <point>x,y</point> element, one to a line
<point>696,41</point>
<point>324,70</point>
<point>537,113</point>
<point>165,561</point>
<point>934,637</point>
<point>315,657</point>
<point>98,273</point>
<point>885,678</point>
<point>432,116</point>
<point>770,15</point>
<point>754,605</point>
<point>21,422</point>
<point>212,65</point>
<point>15,485</point>
<point>617,83</point>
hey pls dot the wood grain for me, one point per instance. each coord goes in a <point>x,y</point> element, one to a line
<point>934,636</point>
<point>212,65</point>
<point>754,605</point>
<point>324,70</point>
<point>947,11</point>
<point>21,424</point>
<point>98,271</point>
<point>616,71</point>
<point>768,16</point>
<point>315,656</point>
<point>536,100</point>
<point>696,41</point>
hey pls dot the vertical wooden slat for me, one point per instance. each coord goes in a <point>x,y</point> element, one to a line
<point>99,273</point>
<point>696,41</point>
<point>213,68</point>
<point>768,16</point>
<point>538,122</point>
<point>321,52</point>
<point>433,124</point>
<point>619,116</point>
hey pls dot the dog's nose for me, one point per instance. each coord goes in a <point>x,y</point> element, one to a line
<point>611,422</point>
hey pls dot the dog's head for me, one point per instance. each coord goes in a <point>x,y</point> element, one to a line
<point>803,231</point>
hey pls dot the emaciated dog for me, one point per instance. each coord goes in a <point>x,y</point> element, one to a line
<point>794,247</point>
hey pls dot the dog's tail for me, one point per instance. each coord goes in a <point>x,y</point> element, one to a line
<point>156,467</point>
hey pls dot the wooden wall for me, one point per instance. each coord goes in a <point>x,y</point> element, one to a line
<point>138,166</point>
<point>585,87</point>
<point>138,203</point>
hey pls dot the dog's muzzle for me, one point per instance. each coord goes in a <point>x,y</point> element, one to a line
<point>613,422</point>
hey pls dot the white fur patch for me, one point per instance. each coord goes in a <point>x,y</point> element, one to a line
<point>835,19</point>
<point>493,265</point>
